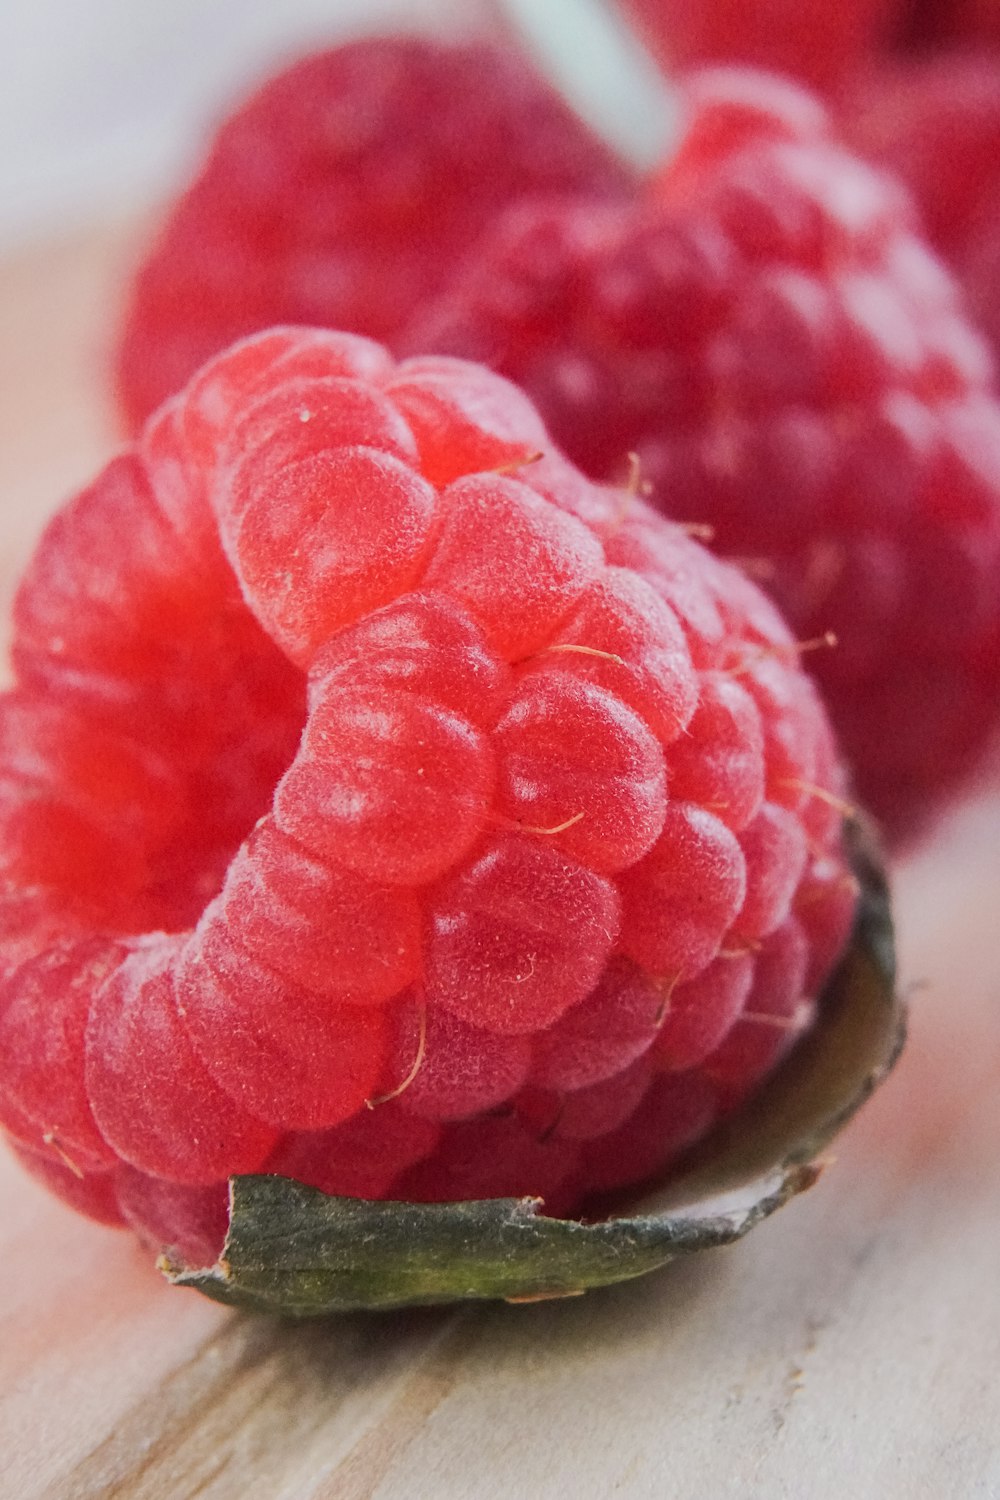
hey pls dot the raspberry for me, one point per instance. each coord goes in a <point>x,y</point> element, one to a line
<point>767,332</point>
<point>936,23</point>
<point>817,42</point>
<point>978,22</point>
<point>489,926</point>
<point>95,1194</point>
<point>191,1221</point>
<point>340,193</point>
<point>936,122</point>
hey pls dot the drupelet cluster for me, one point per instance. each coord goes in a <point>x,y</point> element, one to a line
<point>342,192</point>
<point>795,370</point>
<point>385,804</point>
<point>761,322</point>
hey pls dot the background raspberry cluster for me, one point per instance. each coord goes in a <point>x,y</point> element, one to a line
<point>471,830</point>
<point>761,322</point>
<point>915,85</point>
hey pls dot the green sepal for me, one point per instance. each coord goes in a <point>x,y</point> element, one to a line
<point>293,1250</point>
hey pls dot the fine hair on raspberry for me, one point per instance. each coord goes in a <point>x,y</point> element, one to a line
<point>387,805</point>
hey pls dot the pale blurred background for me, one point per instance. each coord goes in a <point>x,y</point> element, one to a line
<point>103,104</point>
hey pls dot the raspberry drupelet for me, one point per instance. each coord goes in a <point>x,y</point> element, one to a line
<point>386,805</point>
<point>794,369</point>
<point>341,193</point>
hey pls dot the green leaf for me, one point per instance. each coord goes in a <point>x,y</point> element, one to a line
<point>294,1250</point>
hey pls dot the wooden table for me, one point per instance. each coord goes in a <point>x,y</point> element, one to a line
<point>850,1347</point>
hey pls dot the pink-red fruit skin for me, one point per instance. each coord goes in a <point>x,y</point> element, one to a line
<point>816,42</point>
<point>935,121</point>
<point>482,830</point>
<point>794,369</point>
<point>341,193</point>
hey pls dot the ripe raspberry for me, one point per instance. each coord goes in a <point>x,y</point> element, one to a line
<point>493,920</point>
<point>817,42</point>
<point>340,193</point>
<point>977,22</point>
<point>936,122</point>
<point>935,23</point>
<point>793,368</point>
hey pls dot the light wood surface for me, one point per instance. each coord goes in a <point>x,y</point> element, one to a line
<point>850,1347</point>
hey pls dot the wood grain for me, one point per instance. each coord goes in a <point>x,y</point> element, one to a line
<point>849,1346</point>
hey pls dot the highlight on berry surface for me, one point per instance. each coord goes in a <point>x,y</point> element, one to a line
<point>388,815</point>
<point>766,329</point>
<point>759,321</point>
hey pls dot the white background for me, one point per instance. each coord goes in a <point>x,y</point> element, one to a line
<point>104,102</point>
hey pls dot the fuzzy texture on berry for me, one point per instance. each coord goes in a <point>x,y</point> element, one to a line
<point>935,122</point>
<point>793,368</point>
<point>340,194</point>
<point>813,40</point>
<point>386,805</point>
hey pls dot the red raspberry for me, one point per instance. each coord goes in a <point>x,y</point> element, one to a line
<point>340,193</point>
<point>935,23</point>
<point>978,22</point>
<point>793,368</point>
<point>936,122</point>
<point>812,39</point>
<point>493,920</point>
